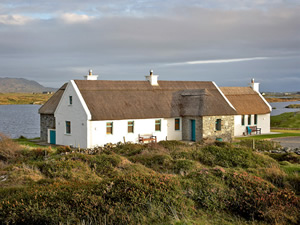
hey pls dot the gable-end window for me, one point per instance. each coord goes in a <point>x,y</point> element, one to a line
<point>249,119</point>
<point>70,100</point>
<point>243,120</point>
<point>255,119</point>
<point>109,128</point>
<point>130,126</point>
<point>218,124</point>
<point>177,124</point>
<point>157,125</point>
<point>68,127</point>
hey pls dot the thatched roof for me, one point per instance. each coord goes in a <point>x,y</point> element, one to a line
<point>112,100</point>
<point>50,106</point>
<point>245,100</point>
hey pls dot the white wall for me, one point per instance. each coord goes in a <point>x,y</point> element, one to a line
<point>263,122</point>
<point>78,116</point>
<point>141,126</point>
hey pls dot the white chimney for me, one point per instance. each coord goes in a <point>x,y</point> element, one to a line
<point>152,78</point>
<point>90,76</point>
<point>254,86</point>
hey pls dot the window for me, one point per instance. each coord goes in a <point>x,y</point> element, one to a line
<point>157,125</point>
<point>177,124</point>
<point>109,127</point>
<point>249,119</point>
<point>130,126</point>
<point>70,100</point>
<point>218,124</point>
<point>243,120</point>
<point>68,127</point>
<point>255,119</point>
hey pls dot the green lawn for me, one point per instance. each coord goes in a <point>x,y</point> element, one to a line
<point>268,136</point>
<point>286,120</point>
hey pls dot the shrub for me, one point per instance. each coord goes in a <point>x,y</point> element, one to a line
<point>63,149</point>
<point>9,150</point>
<point>104,164</point>
<point>255,198</point>
<point>171,145</point>
<point>138,199</point>
<point>128,149</point>
<point>156,161</point>
<point>184,166</point>
<point>229,157</point>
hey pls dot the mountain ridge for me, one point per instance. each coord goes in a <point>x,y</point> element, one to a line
<point>21,85</point>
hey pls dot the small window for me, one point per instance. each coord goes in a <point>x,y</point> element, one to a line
<point>218,124</point>
<point>177,124</point>
<point>68,127</point>
<point>130,126</point>
<point>255,119</point>
<point>70,100</point>
<point>157,125</point>
<point>249,119</point>
<point>243,120</point>
<point>109,127</point>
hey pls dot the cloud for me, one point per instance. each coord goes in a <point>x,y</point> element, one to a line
<point>14,19</point>
<point>217,61</point>
<point>75,18</point>
<point>124,39</point>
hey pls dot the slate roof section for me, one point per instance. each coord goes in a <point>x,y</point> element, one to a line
<point>245,100</point>
<point>115,100</point>
<point>50,106</point>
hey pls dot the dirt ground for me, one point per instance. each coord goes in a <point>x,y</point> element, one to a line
<point>291,142</point>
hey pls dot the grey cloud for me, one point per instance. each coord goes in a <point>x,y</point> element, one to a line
<point>118,47</point>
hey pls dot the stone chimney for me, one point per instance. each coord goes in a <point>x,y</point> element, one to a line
<point>254,86</point>
<point>90,76</point>
<point>152,78</point>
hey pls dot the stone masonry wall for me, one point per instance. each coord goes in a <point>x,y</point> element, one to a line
<point>187,128</point>
<point>227,128</point>
<point>47,122</point>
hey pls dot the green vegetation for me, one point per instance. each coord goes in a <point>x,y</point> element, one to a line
<point>23,98</point>
<point>286,120</point>
<point>293,106</point>
<point>165,183</point>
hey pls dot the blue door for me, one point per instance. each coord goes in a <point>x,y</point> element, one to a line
<point>52,137</point>
<point>193,127</point>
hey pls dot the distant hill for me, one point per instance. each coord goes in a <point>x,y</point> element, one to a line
<point>21,85</point>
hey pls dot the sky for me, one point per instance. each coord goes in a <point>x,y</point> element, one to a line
<point>226,41</point>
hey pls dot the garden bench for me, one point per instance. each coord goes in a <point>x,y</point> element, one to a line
<point>147,137</point>
<point>250,129</point>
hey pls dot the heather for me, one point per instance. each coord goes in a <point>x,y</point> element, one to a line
<point>166,183</point>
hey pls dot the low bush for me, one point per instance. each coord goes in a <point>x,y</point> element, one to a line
<point>9,150</point>
<point>230,157</point>
<point>254,198</point>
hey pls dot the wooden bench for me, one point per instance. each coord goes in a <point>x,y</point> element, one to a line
<point>250,129</point>
<point>147,137</point>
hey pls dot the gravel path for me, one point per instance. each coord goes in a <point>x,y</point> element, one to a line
<point>291,142</point>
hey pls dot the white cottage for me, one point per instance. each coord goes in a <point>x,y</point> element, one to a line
<point>88,113</point>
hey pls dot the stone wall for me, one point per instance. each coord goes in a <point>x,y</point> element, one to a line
<point>47,122</point>
<point>227,128</point>
<point>187,128</point>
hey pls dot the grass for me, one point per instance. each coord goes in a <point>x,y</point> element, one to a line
<point>163,183</point>
<point>286,120</point>
<point>270,136</point>
<point>23,98</point>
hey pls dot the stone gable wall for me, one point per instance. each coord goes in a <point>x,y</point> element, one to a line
<point>47,122</point>
<point>187,128</point>
<point>227,128</point>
